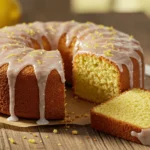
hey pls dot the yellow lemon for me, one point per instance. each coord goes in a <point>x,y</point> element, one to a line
<point>10,12</point>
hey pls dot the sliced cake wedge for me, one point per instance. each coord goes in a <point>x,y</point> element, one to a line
<point>126,116</point>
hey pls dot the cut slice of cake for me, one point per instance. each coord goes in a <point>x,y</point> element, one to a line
<point>126,116</point>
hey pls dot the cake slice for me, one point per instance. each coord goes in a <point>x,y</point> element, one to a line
<point>126,116</point>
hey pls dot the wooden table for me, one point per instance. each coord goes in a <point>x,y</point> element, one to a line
<point>87,138</point>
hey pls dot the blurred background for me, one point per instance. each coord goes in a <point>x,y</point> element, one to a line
<point>130,16</point>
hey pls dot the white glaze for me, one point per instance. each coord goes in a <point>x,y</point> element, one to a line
<point>16,40</point>
<point>40,60</point>
<point>143,136</point>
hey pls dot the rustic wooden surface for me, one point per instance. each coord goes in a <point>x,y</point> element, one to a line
<point>87,138</point>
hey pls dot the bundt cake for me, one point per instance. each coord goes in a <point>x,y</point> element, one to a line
<point>100,62</point>
<point>126,116</point>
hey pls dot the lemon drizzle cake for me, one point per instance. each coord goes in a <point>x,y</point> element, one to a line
<point>106,46</point>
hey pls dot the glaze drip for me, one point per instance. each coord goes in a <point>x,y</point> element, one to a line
<point>40,60</point>
<point>143,136</point>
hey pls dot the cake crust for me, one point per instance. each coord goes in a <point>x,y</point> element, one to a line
<point>27,98</point>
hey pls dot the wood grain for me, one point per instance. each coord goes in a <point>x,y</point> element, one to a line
<point>87,138</point>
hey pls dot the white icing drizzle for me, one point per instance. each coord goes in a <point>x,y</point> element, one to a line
<point>40,60</point>
<point>56,30</point>
<point>11,75</point>
<point>143,136</point>
<point>16,43</point>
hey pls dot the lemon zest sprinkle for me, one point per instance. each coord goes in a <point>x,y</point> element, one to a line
<point>19,60</point>
<point>101,26</point>
<point>130,37</point>
<point>111,45</point>
<point>108,53</point>
<point>39,62</point>
<point>96,45</point>
<point>11,55</point>
<point>104,46</point>
<point>30,32</point>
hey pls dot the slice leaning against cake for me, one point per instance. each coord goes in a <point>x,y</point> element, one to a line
<point>126,116</point>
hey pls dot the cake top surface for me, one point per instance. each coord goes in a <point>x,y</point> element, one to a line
<point>100,40</point>
<point>132,107</point>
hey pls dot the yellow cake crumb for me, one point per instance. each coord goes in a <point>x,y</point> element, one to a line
<point>55,131</point>
<point>32,141</point>
<point>46,136</point>
<point>74,132</point>
<point>12,140</point>
<point>98,72</point>
<point>24,137</point>
<point>59,144</point>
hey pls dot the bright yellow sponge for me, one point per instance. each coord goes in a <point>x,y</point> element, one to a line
<point>95,78</point>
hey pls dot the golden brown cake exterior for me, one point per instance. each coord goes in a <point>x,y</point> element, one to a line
<point>113,127</point>
<point>27,95</point>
